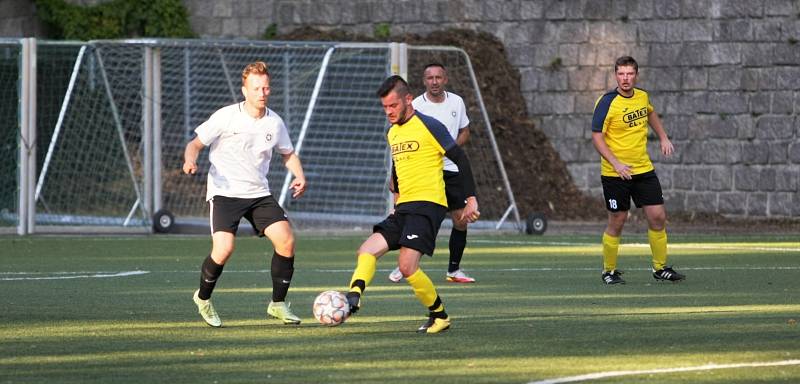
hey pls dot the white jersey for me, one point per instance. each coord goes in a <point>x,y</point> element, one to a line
<point>451,112</point>
<point>241,149</point>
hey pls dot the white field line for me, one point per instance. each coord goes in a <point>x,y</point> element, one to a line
<point>551,269</point>
<point>11,276</point>
<point>65,275</point>
<point>60,275</point>
<point>641,245</point>
<point>707,367</point>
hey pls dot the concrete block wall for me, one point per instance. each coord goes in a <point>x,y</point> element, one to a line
<point>723,74</point>
<point>18,19</point>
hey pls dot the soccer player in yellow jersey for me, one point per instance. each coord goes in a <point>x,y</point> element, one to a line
<point>619,133</point>
<point>418,144</point>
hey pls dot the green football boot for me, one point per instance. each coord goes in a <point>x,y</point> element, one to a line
<point>281,311</point>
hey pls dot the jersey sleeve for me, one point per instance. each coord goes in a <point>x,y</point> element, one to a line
<point>284,145</point>
<point>601,111</point>
<point>462,111</point>
<point>438,131</point>
<point>211,129</point>
<point>417,102</point>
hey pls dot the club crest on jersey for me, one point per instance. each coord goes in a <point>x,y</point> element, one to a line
<point>269,137</point>
<point>406,146</point>
<point>453,113</point>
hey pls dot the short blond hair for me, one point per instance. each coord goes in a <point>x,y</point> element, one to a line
<point>255,68</point>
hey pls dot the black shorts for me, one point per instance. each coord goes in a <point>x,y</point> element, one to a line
<point>261,212</point>
<point>454,190</point>
<point>644,189</point>
<point>413,225</point>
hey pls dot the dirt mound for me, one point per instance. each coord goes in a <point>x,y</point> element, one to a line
<point>538,176</point>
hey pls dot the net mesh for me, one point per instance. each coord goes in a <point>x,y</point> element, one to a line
<point>91,150</point>
<point>9,128</point>
<point>91,170</point>
<point>492,194</point>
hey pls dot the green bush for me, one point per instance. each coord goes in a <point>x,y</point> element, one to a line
<point>115,19</point>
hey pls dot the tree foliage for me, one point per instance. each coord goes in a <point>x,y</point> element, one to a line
<point>115,19</point>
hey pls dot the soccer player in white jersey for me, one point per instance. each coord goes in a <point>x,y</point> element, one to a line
<point>241,138</point>
<point>449,109</point>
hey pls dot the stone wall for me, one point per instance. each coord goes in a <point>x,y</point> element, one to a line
<point>18,19</point>
<point>723,74</point>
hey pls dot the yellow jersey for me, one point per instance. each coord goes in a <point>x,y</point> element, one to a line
<point>418,146</point>
<point>623,121</point>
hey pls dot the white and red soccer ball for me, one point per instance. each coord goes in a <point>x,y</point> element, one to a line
<point>331,308</point>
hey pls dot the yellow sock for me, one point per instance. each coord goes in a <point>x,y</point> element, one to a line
<point>365,270</point>
<point>658,246</point>
<point>425,291</point>
<point>610,252</point>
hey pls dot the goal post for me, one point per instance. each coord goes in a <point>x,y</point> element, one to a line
<point>496,198</point>
<point>114,118</point>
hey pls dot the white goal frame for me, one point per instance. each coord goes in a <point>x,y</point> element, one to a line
<point>146,173</point>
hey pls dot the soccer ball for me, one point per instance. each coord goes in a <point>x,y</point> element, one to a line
<point>331,308</point>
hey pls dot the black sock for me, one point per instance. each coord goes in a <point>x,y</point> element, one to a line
<point>458,241</point>
<point>437,304</point>
<point>209,273</point>
<point>282,271</point>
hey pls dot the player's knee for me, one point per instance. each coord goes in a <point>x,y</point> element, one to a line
<point>407,270</point>
<point>616,221</point>
<point>365,248</point>
<point>282,238</point>
<point>285,246</point>
<point>221,253</point>
<point>658,222</point>
<point>618,218</point>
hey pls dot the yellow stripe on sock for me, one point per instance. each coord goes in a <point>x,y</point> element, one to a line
<point>610,252</point>
<point>365,270</point>
<point>658,247</point>
<point>424,289</point>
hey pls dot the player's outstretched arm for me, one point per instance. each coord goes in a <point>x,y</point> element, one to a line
<point>190,155</point>
<point>293,164</point>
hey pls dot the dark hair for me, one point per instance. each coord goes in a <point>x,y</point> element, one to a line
<point>257,68</point>
<point>626,61</point>
<point>434,64</point>
<point>394,83</point>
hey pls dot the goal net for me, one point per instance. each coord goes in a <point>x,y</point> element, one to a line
<point>9,137</point>
<point>118,114</point>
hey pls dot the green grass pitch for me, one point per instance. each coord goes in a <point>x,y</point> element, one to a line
<point>119,309</point>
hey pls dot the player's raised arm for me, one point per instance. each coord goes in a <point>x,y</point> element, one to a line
<point>190,155</point>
